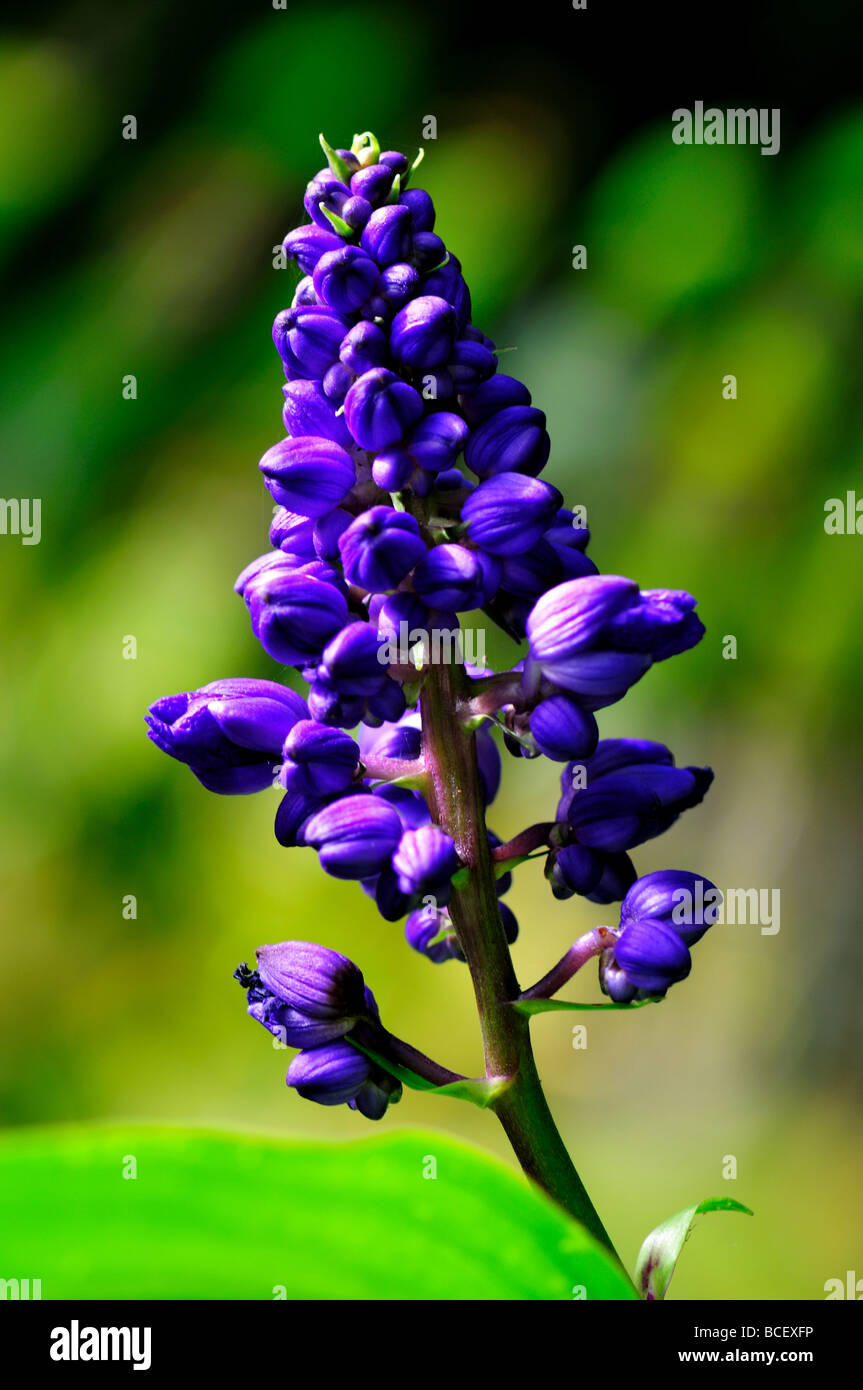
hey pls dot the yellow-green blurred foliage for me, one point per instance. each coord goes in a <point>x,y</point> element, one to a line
<point>154,258</point>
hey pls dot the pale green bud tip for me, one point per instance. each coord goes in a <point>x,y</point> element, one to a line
<point>367,148</point>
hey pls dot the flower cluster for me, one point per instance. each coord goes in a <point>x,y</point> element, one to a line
<point>313,998</point>
<point>407,495</point>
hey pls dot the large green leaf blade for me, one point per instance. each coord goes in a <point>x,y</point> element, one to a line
<point>406,1215</point>
<point>658,1256</point>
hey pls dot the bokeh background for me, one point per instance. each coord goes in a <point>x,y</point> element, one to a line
<point>154,258</point>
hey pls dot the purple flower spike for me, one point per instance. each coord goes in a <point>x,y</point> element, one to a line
<point>355,836</point>
<point>227,731</point>
<point>310,475</point>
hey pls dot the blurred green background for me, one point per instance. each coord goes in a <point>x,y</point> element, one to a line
<point>154,258</point>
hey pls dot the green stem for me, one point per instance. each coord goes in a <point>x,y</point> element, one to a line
<point>454,790</point>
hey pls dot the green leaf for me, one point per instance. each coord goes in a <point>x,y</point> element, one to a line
<point>405,1215</point>
<point>549,1006</point>
<point>658,1256</point>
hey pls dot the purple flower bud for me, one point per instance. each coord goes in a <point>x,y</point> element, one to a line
<point>409,805</point>
<point>686,901</point>
<point>661,624</point>
<point>292,1028</point>
<point>425,862</point>
<point>308,412</point>
<point>497,394</point>
<point>491,569</point>
<point>380,409</point>
<point>226,732</point>
<point>380,548</point>
<point>327,189</point>
<point>314,980</point>
<point>562,729</point>
<point>313,335</point>
<point>649,957</point>
<point>421,207</point>
<point>565,534</point>
<point>310,475</point>
<point>388,234</point>
<point>423,332</point>
<point>394,160</point>
<point>470,364</point>
<point>294,810</point>
<point>293,613</point>
<point>629,792</point>
<point>450,577</point>
<point>508,513</point>
<point>304,294</point>
<point>365,346</point>
<point>423,926</point>
<point>573,869</point>
<point>306,245</point>
<point>345,278</point>
<point>354,836</point>
<point>373,183</point>
<point>337,382</point>
<point>572,616</point>
<point>293,533</point>
<point>351,663</point>
<point>514,440</point>
<point>356,212</point>
<point>598,635</point>
<point>618,875</point>
<point>393,469</point>
<point>398,284</point>
<point>402,740</point>
<point>318,760</point>
<point>396,609</point>
<point>329,1075</point>
<point>510,922</point>
<point>327,531</point>
<point>437,440</point>
<point>532,573</point>
<point>447,282</point>
<point>428,250</point>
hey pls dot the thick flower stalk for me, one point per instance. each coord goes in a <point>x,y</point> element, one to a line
<point>408,497</point>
